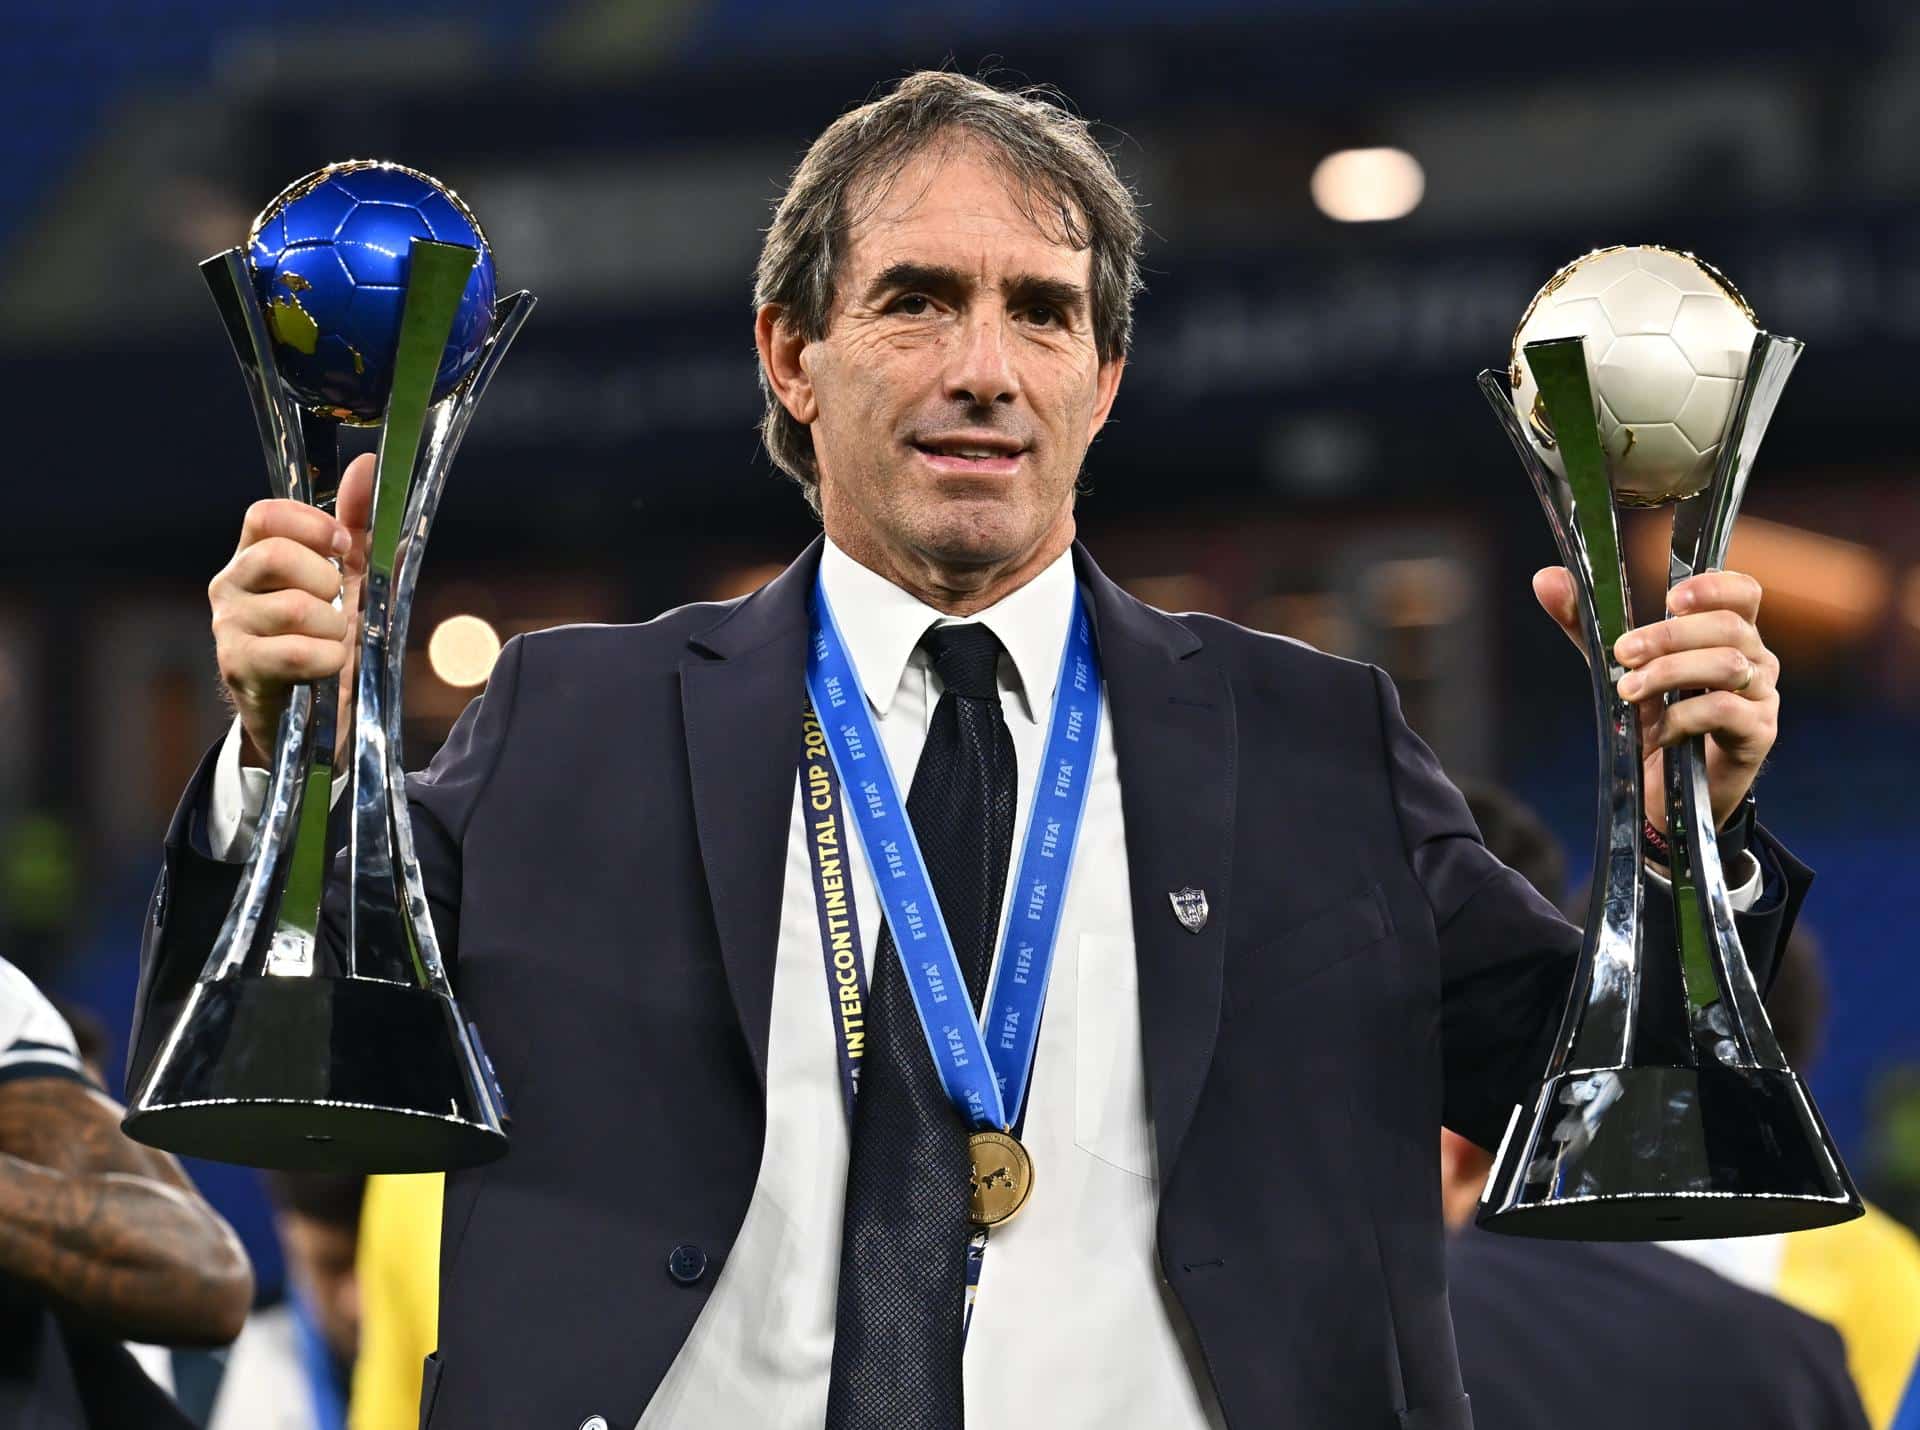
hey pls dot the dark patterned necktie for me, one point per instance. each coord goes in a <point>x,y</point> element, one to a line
<point>903,1257</point>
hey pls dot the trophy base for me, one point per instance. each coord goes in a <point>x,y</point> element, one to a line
<point>1667,1154</point>
<point>319,1075</point>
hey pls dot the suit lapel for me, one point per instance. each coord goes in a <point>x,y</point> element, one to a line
<point>741,687</point>
<point>1173,730</point>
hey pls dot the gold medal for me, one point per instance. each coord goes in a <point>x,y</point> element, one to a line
<point>1001,1179</point>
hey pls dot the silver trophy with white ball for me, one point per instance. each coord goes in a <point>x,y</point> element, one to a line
<point>1639,377</point>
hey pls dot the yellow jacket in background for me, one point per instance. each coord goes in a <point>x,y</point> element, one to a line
<point>398,1262</point>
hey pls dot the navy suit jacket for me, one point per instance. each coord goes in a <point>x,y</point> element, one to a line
<point>604,841</point>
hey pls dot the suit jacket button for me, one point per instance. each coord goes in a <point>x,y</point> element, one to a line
<point>686,1264</point>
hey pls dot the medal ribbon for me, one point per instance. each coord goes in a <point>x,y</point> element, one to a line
<point>984,1073</point>
<point>829,865</point>
<point>831,870</point>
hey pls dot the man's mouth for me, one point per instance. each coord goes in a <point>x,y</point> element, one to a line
<point>971,452</point>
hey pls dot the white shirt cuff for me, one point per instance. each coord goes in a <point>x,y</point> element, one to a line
<point>1741,897</point>
<point>234,803</point>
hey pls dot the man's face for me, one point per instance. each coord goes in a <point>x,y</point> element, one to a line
<point>320,1259</point>
<point>958,385</point>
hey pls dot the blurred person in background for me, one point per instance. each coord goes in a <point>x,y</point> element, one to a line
<point>1861,1277</point>
<point>90,1037</point>
<point>293,1364</point>
<point>1582,1335</point>
<point>102,1241</point>
<point>398,1267</point>
<point>1292,924</point>
<point>1516,835</point>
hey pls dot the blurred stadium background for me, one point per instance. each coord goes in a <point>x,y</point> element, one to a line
<point>1298,445</point>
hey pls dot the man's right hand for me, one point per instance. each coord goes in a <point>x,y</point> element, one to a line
<point>274,622</point>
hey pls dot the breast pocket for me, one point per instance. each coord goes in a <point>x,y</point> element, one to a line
<point>1110,1114</point>
<point>1349,926</point>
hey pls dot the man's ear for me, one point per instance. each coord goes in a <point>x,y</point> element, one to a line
<point>780,345</point>
<point>1106,388</point>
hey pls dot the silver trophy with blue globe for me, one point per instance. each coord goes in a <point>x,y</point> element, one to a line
<point>322,1033</point>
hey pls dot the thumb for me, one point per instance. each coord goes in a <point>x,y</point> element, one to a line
<point>1553,589</point>
<point>354,509</point>
<point>354,504</point>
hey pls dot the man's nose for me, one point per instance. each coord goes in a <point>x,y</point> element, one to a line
<point>981,372</point>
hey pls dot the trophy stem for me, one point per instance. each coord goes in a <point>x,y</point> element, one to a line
<point>274,412</point>
<point>1598,1031</point>
<point>283,437</point>
<point>446,428</point>
<point>381,941</point>
<point>294,948</point>
<point>1712,960</point>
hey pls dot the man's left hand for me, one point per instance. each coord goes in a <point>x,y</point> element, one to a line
<point>1709,647</point>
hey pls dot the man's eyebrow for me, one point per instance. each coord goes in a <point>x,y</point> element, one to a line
<point>936,277</point>
<point>909,275</point>
<point>1055,292</point>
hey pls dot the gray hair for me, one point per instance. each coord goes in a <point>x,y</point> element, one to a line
<point>1066,180</point>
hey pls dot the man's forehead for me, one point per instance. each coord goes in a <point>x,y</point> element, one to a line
<point>953,204</point>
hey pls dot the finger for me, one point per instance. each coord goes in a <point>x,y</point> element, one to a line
<point>1736,724</point>
<point>354,505</point>
<point>281,564</point>
<point>285,660</point>
<point>293,521</point>
<point>1702,631</point>
<point>1717,591</point>
<point>1553,589</point>
<point>1721,668</point>
<point>283,613</point>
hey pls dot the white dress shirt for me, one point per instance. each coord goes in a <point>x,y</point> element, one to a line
<point>1074,1323</point>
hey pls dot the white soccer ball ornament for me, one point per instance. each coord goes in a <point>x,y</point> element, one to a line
<point>1667,340</point>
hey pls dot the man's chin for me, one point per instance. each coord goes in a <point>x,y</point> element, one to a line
<point>975,532</point>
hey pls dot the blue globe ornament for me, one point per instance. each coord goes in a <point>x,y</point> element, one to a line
<point>329,263</point>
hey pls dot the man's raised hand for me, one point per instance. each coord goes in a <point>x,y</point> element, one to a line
<point>1710,646</point>
<point>274,622</point>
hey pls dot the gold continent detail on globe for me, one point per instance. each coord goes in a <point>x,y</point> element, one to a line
<point>1667,339</point>
<point>329,258</point>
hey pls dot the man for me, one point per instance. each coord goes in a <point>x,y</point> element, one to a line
<point>730,1205</point>
<point>293,1364</point>
<point>1588,1336</point>
<point>101,1241</point>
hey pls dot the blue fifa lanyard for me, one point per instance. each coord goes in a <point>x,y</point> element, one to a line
<point>985,1073</point>
<point>846,970</point>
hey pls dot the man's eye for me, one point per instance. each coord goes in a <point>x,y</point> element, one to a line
<point>1043,316</point>
<point>913,304</point>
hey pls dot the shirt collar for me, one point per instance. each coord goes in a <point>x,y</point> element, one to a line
<point>882,625</point>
